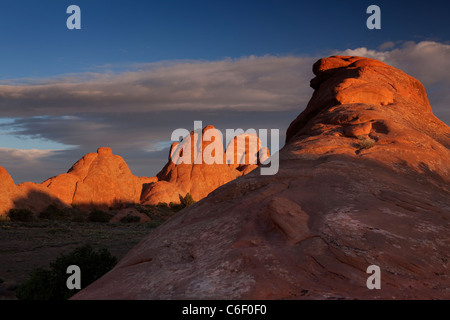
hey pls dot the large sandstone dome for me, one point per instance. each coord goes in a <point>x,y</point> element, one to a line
<point>99,179</point>
<point>363,180</point>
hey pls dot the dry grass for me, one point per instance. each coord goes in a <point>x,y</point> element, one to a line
<point>366,143</point>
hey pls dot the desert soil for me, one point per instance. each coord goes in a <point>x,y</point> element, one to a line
<point>24,246</point>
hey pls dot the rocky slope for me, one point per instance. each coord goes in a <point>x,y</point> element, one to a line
<point>363,180</point>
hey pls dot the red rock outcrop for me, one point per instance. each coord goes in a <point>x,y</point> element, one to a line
<point>198,178</point>
<point>104,180</point>
<point>7,191</point>
<point>335,207</point>
<point>98,179</point>
<point>27,195</point>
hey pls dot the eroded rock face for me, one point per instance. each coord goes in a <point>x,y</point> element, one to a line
<point>8,190</point>
<point>200,177</point>
<point>360,97</point>
<point>97,179</point>
<point>332,210</point>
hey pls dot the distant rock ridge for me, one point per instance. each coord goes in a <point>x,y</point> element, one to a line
<point>364,180</point>
<point>27,195</point>
<point>104,180</point>
<point>100,179</point>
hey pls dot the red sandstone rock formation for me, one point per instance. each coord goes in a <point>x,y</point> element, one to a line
<point>8,191</point>
<point>27,195</point>
<point>197,177</point>
<point>333,209</point>
<point>99,179</point>
<point>103,180</point>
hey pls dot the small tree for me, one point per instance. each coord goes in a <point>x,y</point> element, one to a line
<point>187,200</point>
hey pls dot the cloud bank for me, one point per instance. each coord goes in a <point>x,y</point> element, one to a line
<point>246,84</point>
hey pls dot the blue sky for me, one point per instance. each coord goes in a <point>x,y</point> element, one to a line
<point>137,70</point>
<point>36,42</point>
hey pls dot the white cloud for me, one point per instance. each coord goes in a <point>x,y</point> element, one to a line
<point>27,155</point>
<point>253,83</point>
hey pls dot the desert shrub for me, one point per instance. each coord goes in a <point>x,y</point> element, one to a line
<point>97,215</point>
<point>37,287</point>
<point>146,209</point>
<point>366,143</point>
<point>23,215</point>
<point>51,284</point>
<point>53,212</point>
<point>175,206</point>
<point>187,200</point>
<point>130,219</point>
<point>162,205</point>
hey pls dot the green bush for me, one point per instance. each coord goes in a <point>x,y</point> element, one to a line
<point>162,205</point>
<point>53,212</point>
<point>187,200</point>
<point>23,215</point>
<point>97,215</point>
<point>175,206</point>
<point>51,284</point>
